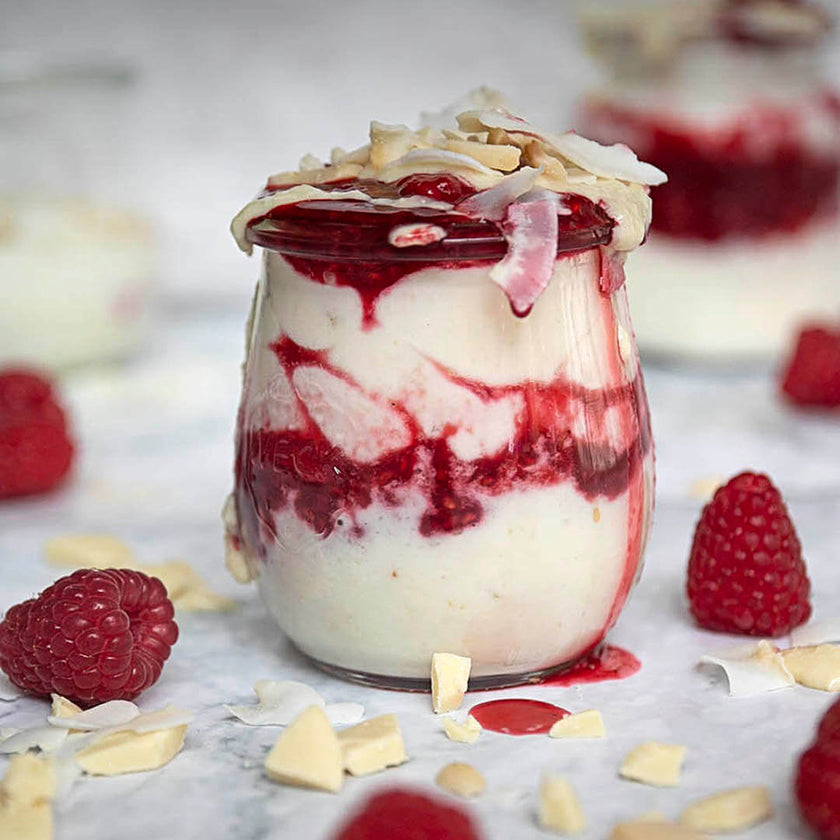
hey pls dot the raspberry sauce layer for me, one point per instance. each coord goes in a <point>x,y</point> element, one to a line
<point>755,178</point>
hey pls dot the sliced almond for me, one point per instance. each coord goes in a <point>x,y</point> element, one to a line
<point>559,809</point>
<point>324,175</point>
<point>310,162</point>
<point>450,676</point>
<point>654,764</point>
<point>389,143</point>
<point>505,158</point>
<point>465,733</point>
<point>461,779</point>
<point>815,667</point>
<point>646,829</point>
<point>89,551</point>
<point>588,724</point>
<point>307,754</point>
<point>372,745</point>
<point>731,810</point>
<point>131,752</point>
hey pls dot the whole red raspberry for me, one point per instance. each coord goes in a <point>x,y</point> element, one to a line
<point>92,636</point>
<point>35,448</point>
<point>404,814</point>
<point>745,572</point>
<point>812,374</point>
<point>817,784</point>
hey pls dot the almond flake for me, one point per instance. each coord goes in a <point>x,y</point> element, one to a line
<point>559,809</point>
<point>461,779</point>
<point>645,829</point>
<point>816,633</point>
<point>465,733</point>
<point>815,667</point>
<point>372,746</point>
<point>450,677</point>
<point>588,724</point>
<point>322,175</point>
<point>89,551</point>
<point>389,143</point>
<point>506,158</point>
<point>439,160</point>
<point>654,764</point>
<point>752,669</point>
<point>731,810</point>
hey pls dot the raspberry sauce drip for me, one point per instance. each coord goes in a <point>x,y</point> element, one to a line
<point>301,469</point>
<point>755,179</point>
<point>608,663</point>
<point>518,716</point>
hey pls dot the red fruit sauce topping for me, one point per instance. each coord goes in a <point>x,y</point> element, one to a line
<point>608,663</point>
<point>755,179</point>
<point>36,450</point>
<point>518,716</point>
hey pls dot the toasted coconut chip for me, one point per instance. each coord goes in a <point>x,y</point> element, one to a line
<point>440,160</point>
<point>752,669</point>
<point>265,204</point>
<point>321,175</point>
<point>816,633</point>
<point>406,236</point>
<point>360,156</point>
<point>45,738</point>
<point>492,204</point>
<point>310,162</point>
<point>617,161</point>
<point>112,713</point>
<point>530,228</point>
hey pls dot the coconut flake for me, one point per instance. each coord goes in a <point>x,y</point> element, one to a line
<point>752,669</point>
<point>530,229</point>
<point>493,203</point>
<point>406,236</point>
<point>103,716</point>
<point>262,206</point>
<point>44,738</point>
<point>820,632</point>
<point>8,692</point>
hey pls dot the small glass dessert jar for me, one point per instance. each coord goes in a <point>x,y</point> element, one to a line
<point>443,442</point>
<point>729,99</point>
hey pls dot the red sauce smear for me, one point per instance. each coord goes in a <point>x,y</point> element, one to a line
<point>608,663</point>
<point>518,717</point>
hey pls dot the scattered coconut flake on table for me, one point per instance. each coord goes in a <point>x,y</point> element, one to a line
<point>45,738</point>
<point>752,669</point>
<point>818,632</point>
<point>105,715</point>
<point>530,228</point>
<point>8,692</point>
<point>281,701</point>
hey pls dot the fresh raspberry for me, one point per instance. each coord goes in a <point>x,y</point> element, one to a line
<point>812,374</point>
<point>35,448</point>
<point>745,572</point>
<point>440,187</point>
<point>92,636</point>
<point>818,778</point>
<point>403,814</point>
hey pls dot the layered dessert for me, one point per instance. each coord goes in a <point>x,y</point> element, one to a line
<point>727,97</point>
<point>443,441</point>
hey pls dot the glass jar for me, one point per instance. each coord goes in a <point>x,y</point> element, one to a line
<point>76,260</point>
<point>735,108</point>
<point>419,469</point>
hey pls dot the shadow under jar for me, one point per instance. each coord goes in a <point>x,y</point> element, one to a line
<point>418,468</point>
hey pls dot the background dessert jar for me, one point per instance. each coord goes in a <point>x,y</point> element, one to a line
<point>731,100</point>
<point>443,441</point>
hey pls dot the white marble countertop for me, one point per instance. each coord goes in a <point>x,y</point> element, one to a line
<point>156,451</point>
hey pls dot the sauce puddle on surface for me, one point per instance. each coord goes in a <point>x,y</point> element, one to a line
<point>608,663</point>
<point>518,716</point>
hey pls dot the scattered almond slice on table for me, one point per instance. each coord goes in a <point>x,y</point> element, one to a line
<point>752,669</point>
<point>307,754</point>
<point>588,724</point>
<point>731,810</point>
<point>186,588</point>
<point>815,667</point>
<point>372,745</point>
<point>654,764</point>
<point>465,733</point>
<point>559,809</point>
<point>26,792</point>
<point>650,829</point>
<point>450,677</point>
<point>461,780</point>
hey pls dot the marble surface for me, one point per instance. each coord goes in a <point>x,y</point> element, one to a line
<point>156,449</point>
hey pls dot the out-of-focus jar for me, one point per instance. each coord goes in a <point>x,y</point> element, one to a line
<point>727,96</point>
<point>419,467</point>
<point>76,260</point>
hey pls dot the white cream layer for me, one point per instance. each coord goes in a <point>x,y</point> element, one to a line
<point>739,300</point>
